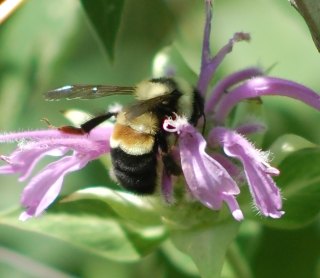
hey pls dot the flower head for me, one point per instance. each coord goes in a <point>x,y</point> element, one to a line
<point>211,176</point>
<point>43,188</point>
<point>206,179</point>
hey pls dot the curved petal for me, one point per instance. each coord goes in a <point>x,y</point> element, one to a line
<point>261,86</point>
<point>207,180</point>
<point>101,133</point>
<point>23,161</point>
<point>225,84</point>
<point>45,187</point>
<point>264,191</point>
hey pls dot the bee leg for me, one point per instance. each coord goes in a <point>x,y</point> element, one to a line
<point>171,167</point>
<point>71,130</point>
<point>87,126</point>
<point>66,129</point>
<point>47,122</point>
<point>94,122</point>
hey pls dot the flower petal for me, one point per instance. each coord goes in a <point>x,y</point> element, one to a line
<point>50,142</point>
<point>225,84</point>
<point>23,161</point>
<point>210,64</point>
<point>234,171</point>
<point>45,187</point>
<point>261,86</point>
<point>34,135</point>
<point>264,191</point>
<point>207,180</point>
<point>97,134</point>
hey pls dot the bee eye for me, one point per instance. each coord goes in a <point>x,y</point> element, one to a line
<point>165,102</point>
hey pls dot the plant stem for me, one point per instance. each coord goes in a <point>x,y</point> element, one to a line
<point>238,263</point>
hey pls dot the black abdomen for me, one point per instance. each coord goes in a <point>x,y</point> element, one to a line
<point>136,173</point>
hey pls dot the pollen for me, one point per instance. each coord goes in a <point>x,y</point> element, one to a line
<point>131,141</point>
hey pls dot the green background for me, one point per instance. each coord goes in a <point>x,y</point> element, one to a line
<point>48,44</point>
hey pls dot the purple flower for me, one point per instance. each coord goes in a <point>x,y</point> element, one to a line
<point>43,188</point>
<point>260,86</point>
<point>265,193</point>
<point>211,175</point>
<point>207,180</point>
<point>211,183</point>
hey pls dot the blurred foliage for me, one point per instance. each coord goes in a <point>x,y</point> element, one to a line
<point>105,15</point>
<point>47,44</point>
<point>309,9</point>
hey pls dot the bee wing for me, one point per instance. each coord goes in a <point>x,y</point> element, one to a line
<point>87,91</point>
<point>144,106</point>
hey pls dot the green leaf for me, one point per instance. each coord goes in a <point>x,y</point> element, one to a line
<point>105,15</point>
<point>287,253</point>
<point>206,246</point>
<point>180,260</point>
<point>128,206</point>
<point>300,185</point>
<point>288,144</point>
<point>91,226</point>
<point>310,11</point>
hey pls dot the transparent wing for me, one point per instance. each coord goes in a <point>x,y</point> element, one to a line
<point>87,91</point>
<point>141,107</point>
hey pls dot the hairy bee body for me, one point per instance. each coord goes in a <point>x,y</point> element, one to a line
<point>135,143</point>
<point>138,139</point>
<point>134,150</point>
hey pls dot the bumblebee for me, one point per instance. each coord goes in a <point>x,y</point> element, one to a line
<point>138,139</point>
